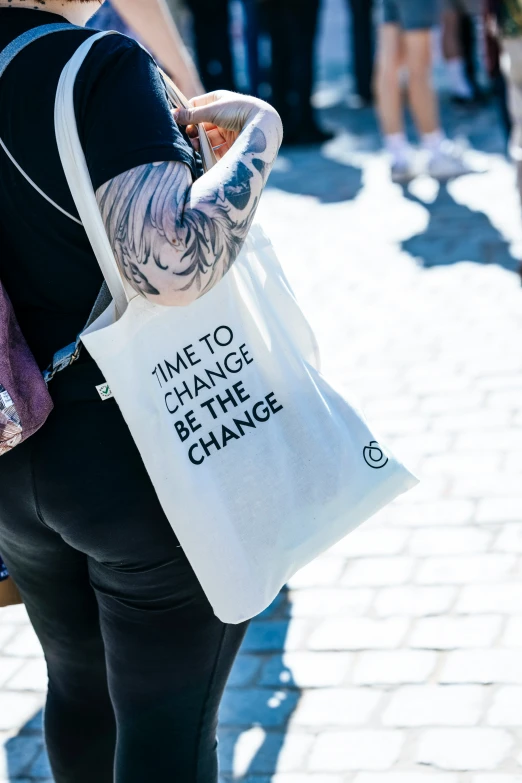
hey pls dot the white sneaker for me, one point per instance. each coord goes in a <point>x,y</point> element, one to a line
<point>402,170</point>
<point>448,161</point>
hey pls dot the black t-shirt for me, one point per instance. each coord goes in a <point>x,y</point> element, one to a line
<point>46,263</point>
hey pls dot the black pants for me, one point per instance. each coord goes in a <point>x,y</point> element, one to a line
<point>137,660</point>
<point>213,42</point>
<point>292,25</point>
<point>362,46</point>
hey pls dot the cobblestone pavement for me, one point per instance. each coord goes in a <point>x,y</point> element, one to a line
<point>396,657</point>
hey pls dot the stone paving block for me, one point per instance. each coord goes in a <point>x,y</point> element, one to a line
<point>8,667</point>
<point>464,749</point>
<point>274,635</point>
<point>24,644</point>
<point>435,705</point>
<point>453,403</point>
<point>505,400</point>
<point>509,539</point>
<point>324,601</point>
<point>489,485</point>
<point>258,751</point>
<point>513,462</point>
<point>17,708</point>
<point>513,634</point>
<point>437,384</point>
<point>449,541</point>
<point>431,488</point>
<point>326,570</point>
<point>472,420</point>
<point>331,707</point>
<point>19,754</point>
<point>15,615</point>
<point>378,571</point>
<point>466,569</point>
<point>443,512</point>
<point>394,667</point>
<point>482,666</point>
<point>462,463</point>
<point>358,633</point>
<point>504,439</point>
<point>398,424</point>
<point>7,632</point>
<point>31,780</point>
<point>245,670</point>
<point>248,706</point>
<point>340,751</point>
<point>384,406</point>
<point>40,767</point>
<point>506,509</point>
<point>497,779</point>
<point>505,598</point>
<point>415,601</point>
<point>405,777</point>
<point>278,608</point>
<point>506,709</point>
<point>364,543</point>
<point>306,669</point>
<point>446,633</point>
<point>31,677</point>
<point>496,382</point>
<point>35,725</point>
<point>305,778</point>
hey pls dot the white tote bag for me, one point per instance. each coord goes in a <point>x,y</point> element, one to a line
<point>258,463</point>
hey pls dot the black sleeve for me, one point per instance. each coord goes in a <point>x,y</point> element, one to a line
<point>123,114</point>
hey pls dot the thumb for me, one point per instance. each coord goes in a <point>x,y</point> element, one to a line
<point>196,115</point>
<point>183,116</point>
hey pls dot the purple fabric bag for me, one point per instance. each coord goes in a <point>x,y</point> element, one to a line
<point>25,402</point>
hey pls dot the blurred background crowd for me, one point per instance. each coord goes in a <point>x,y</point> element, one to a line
<point>266,48</point>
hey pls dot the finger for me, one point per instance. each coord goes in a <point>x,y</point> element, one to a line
<point>206,113</point>
<point>192,131</point>
<point>195,144</point>
<point>215,137</point>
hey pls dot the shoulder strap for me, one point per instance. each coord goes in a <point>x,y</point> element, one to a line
<point>67,355</point>
<point>7,55</point>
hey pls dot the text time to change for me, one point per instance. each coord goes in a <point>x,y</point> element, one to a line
<point>182,392</point>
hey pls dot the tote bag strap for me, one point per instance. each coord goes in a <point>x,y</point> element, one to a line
<point>78,177</point>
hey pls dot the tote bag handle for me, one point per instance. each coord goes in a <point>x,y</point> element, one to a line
<point>77,172</point>
<point>178,99</point>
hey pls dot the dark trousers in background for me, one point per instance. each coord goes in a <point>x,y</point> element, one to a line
<point>292,26</point>
<point>362,46</point>
<point>212,40</point>
<point>137,660</point>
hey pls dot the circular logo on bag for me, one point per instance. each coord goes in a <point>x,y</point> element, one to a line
<point>374,456</point>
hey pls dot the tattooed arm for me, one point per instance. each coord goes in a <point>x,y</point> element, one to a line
<point>174,238</point>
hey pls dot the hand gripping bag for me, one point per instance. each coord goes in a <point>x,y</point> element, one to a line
<point>259,464</point>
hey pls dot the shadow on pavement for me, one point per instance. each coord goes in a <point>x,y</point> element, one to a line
<point>259,701</point>
<point>25,754</point>
<point>308,172</point>
<point>456,233</point>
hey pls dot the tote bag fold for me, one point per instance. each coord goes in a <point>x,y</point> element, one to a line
<point>259,464</point>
